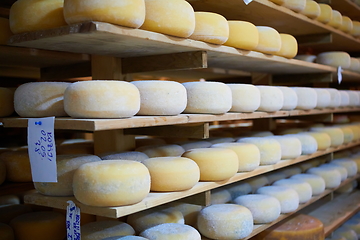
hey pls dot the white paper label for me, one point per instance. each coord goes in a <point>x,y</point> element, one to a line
<point>247,1</point>
<point>339,74</point>
<point>42,151</point>
<point>73,221</point>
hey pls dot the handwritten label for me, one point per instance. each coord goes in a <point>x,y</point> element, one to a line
<point>247,1</point>
<point>73,221</point>
<point>339,74</point>
<point>42,151</point>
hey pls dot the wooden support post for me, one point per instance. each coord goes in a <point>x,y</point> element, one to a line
<point>112,141</point>
<point>106,68</point>
<point>203,199</point>
<point>298,79</point>
<point>262,79</point>
<point>67,71</point>
<point>321,38</point>
<point>264,124</point>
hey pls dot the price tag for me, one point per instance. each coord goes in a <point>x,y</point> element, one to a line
<point>73,221</point>
<point>339,74</point>
<point>42,151</point>
<point>247,1</point>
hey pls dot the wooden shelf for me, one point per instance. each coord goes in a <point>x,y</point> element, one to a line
<point>345,7</point>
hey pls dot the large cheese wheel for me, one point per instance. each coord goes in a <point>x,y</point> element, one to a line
<point>332,177</point>
<point>347,24</point>
<point>307,98</point>
<point>239,189</point>
<point>39,225</point>
<point>353,98</point>
<point>210,27</point>
<point>334,59</point>
<point>248,155</point>
<point>345,99</point>
<point>172,173</point>
<point>272,99</point>
<point>189,211</point>
<point>237,31</point>
<point>336,135</point>
<point>127,13</point>
<point>9,212</point>
<point>220,196</point>
<point>308,143</point>
<point>269,40</point>
<point>335,98</point>
<point>40,99</point>
<point>257,182</point>
<point>5,32</point>
<point>289,46</point>
<point>287,197</point>
<point>290,98</point>
<point>131,155</point>
<point>349,164</point>
<point>245,97</point>
<point>225,221</point>
<point>167,150</point>
<point>326,13</point>
<point>66,166</point>
<point>188,145</point>
<point>355,64</point>
<point>6,232</point>
<point>323,98</point>
<point>87,99</point>
<point>17,165</point>
<point>171,231</point>
<point>290,146</point>
<point>103,229</point>
<point>161,97</point>
<point>295,5</point>
<point>208,97</point>
<point>316,182</point>
<point>6,100</point>
<point>356,29</point>
<point>301,187</point>
<point>215,164</point>
<point>111,183</point>
<point>306,57</point>
<point>176,18</point>
<point>341,169</point>
<point>311,10</point>
<point>35,15</point>
<point>336,20</point>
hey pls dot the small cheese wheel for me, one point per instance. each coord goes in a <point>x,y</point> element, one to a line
<point>301,187</point>
<point>289,46</point>
<point>5,31</point>
<point>220,196</point>
<point>237,31</point>
<point>126,13</point>
<point>211,28</point>
<point>316,182</point>
<point>269,40</point>
<point>111,183</point>
<point>239,189</point>
<point>39,225</point>
<point>326,13</point>
<point>264,208</point>
<point>189,211</point>
<point>290,146</point>
<point>164,98</point>
<point>356,29</point>
<point>245,98</point>
<point>176,18</point>
<point>335,98</point>
<point>188,145</point>
<point>308,143</point>
<point>257,182</point>
<point>356,131</point>
<point>323,98</point>
<point>334,59</point>
<point>295,5</point>
<point>131,155</point>
<point>355,64</point>
<point>6,232</point>
<point>332,177</point>
<point>336,20</point>
<point>336,135</point>
<point>307,98</point>
<point>287,197</point>
<point>345,99</point>
<point>272,99</point>
<point>6,100</point>
<point>349,234</point>
<point>349,164</point>
<point>342,170</point>
<point>104,229</point>
<point>311,10</point>
<point>353,98</point>
<point>9,212</point>
<point>215,164</point>
<point>248,155</point>
<point>270,149</point>
<point>347,24</point>
<point>171,231</point>
<point>274,176</point>
<point>167,150</point>
<point>306,57</point>
<point>290,98</point>
<point>49,14</point>
<point>225,221</point>
<point>172,173</point>
<point>17,165</point>
<point>87,99</point>
<point>66,166</point>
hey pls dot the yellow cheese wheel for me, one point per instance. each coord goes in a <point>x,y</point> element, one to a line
<point>336,20</point>
<point>334,59</point>
<point>336,135</point>
<point>348,137</point>
<point>347,24</point>
<point>176,18</point>
<point>211,28</point>
<point>103,229</point>
<point>167,150</point>
<point>9,212</point>
<point>311,10</point>
<point>171,231</point>
<point>17,165</point>
<point>323,139</point>
<point>326,13</point>
<point>6,232</point>
<point>6,100</point>
<point>356,29</point>
<point>295,5</point>
<point>5,32</point>
<point>289,46</point>
<point>242,35</point>
<point>189,211</point>
<point>269,40</point>
<point>287,197</point>
<point>128,13</point>
<point>355,64</point>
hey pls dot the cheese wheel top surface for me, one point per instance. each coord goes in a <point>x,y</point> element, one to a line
<point>104,229</point>
<point>171,231</point>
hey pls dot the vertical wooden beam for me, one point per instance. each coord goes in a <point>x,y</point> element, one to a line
<point>262,79</point>
<point>106,68</point>
<point>203,199</point>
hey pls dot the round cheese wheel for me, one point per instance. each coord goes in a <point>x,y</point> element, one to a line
<point>167,150</point>
<point>289,46</point>
<point>345,99</point>
<point>257,182</point>
<point>132,155</point>
<point>274,176</point>
<point>264,208</point>
<point>336,135</point>
<point>307,98</point>
<point>87,99</point>
<point>334,59</point>
<point>239,189</point>
<point>111,183</point>
<point>287,197</point>
<point>49,14</point>
<point>5,32</point>
<point>342,170</point>
<point>332,177</point>
<point>126,13</point>
<point>161,97</point>
<point>290,146</point>
<point>353,98</point>
<point>248,155</point>
<point>295,5</point>
<point>6,232</point>
<point>171,231</point>
<point>349,164</point>
<point>356,29</point>
<point>225,221</point>
<point>336,20</point>
<point>308,143</point>
<point>188,145</point>
<point>289,171</point>
<point>354,64</point>
<point>347,24</point>
<point>40,226</point>
<point>176,18</point>
<point>269,40</point>
<point>326,13</point>
<point>316,182</point>
<point>208,97</point>
<point>211,28</point>
<point>172,173</point>
<point>237,31</point>
<point>323,98</point>
<point>348,137</point>
<point>301,187</point>
<point>17,165</point>
<point>306,57</point>
<point>335,98</point>
<point>189,211</point>
<point>104,229</point>
<point>6,100</point>
<point>245,97</point>
<point>220,196</point>
<point>290,98</point>
<point>271,100</point>
<point>311,10</point>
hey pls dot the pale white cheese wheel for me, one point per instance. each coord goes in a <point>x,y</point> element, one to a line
<point>307,98</point>
<point>306,57</point>
<point>274,176</point>
<point>104,229</point>
<point>311,10</point>
<point>40,99</point>
<point>301,187</point>
<point>349,164</point>
<point>208,97</point>
<point>188,145</point>
<point>290,98</point>
<point>269,40</point>
<point>237,30</point>
<point>164,98</point>
<point>316,182</point>
<point>347,24</point>
<point>257,182</point>
<point>239,189</point>
<point>171,231</point>
<point>220,196</point>
<point>308,143</point>
<point>345,99</point>
<point>326,13</point>
<point>131,155</point>
<point>335,98</point>
<point>289,46</point>
<point>336,20</point>
<point>336,135</point>
<point>355,64</point>
<point>356,29</point>
<point>323,98</point>
<point>225,221</point>
<point>272,99</point>
<point>6,102</point>
<point>295,5</point>
<point>353,98</point>
<point>290,146</point>
<point>125,238</point>
<point>334,59</point>
<point>332,177</point>
<point>167,150</point>
<point>342,170</point>
<point>245,97</point>
<point>211,28</point>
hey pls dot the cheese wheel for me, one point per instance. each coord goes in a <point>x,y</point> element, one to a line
<point>356,29</point>
<point>307,98</point>
<point>349,164</point>
<point>295,5</point>
<point>225,221</point>
<point>66,166</point>
<point>126,13</point>
<point>290,98</point>
<point>335,98</point>
<point>323,98</point>
<point>248,155</point>
<point>264,208</point>
<point>6,232</point>
<point>172,173</point>
<point>353,98</point>
<point>220,196</point>
<point>332,177</point>
<point>301,187</point>
<point>17,165</point>
<point>289,46</point>
<point>111,183</point>
<point>215,164</point>
<point>356,131</point>
<point>311,10</point>
<point>348,137</point>
<point>274,176</point>
<point>271,100</point>
<point>211,28</point>
<point>49,14</point>
<point>125,238</point>
<point>345,99</point>
<point>354,64</point>
<point>347,24</point>
<point>176,18</point>
<point>40,226</point>
<point>164,98</point>
<point>131,155</point>
<point>342,170</point>
<point>257,134</point>
<point>167,150</point>
<point>290,146</point>
<point>336,20</point>
<point>87,99</point>
<point>336,135</point>
<point>189,211</point>
<point>334,59</point>
<point>316,182</point>
<point>239,189</point>
<point>289,171</point>
<point>9,212</point>
<point>308,143</point>
<point>5,32</point>
<point>237,31</point>
<point>287,197</point>
<point>188,145</point>
<point>326,13</point>
<point>269,40</point>
<point>104,229</point>
<point>6,100</point>
<point>257,182</point>
<point>171,231</point>
<point>245,97</point>
<point>306,57</point>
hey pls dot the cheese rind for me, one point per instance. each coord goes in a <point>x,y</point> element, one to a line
<point>269,40</point>
<point>290,146</point>
<point>308,143</point>
<point>323,98</point>
<point>355,64</point>
<point>316,182</point>
<point>311,10</point>
<point>167,150</point>
<point>347,24</point>
<point>301,187</point>
<point>336,20</point>
<point>342,170</point>
<point>237,31</point>
<point>331,177</point>
<point>287,197</point>
<point>349,164</point>
<point>295,5</point>
<point>345,99</point>
<point>245,97</point>
<point>17,165</point>
<point>335,98</point>
<point>354,99</point>
<point>272,99</point>
<point>335,134</point>
<point>220,196</point>
<point>326,13</point>
<point>290,98</point>
<point>289,46</point>
<point>334,59</point>
<point>131,155</point>
<point>356,29</point>
<point>307,98</point>
<point>171,231</point>
<point>103,229</point>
